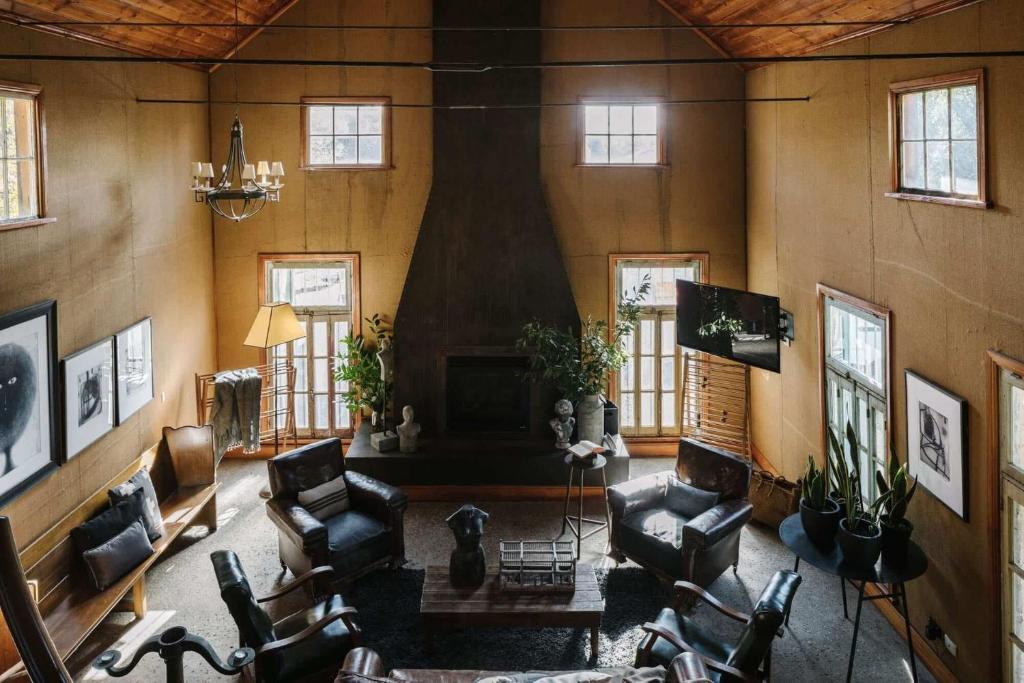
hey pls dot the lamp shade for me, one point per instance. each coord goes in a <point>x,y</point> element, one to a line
<point>274,324</point>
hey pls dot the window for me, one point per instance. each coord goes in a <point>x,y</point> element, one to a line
<point>620,134</point>
<point>345,132</point>
<point>648,388</point>
<point>855,354</point>
<point>938,127</point>
<point>323,290</point>
<point>20,156</point>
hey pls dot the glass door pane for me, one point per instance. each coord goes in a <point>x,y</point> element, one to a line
<point>1013,579</point>
<point>1011,419</point>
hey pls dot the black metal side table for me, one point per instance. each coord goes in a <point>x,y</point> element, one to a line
<point>577,465</point>
<point>830,560</point>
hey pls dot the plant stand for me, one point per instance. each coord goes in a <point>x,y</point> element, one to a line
<point>575,523</point>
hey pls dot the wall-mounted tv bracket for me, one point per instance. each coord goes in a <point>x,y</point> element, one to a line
<point>787,327</point>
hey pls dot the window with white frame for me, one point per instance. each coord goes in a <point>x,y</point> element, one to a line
<point>20,180</point>
<point>856,383</point>
<point>620,134</point>
<point>322,291</point>
<point>649,386</point>
<point>346,133</point>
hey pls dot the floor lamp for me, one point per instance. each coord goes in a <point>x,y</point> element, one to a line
<point>275,324</point>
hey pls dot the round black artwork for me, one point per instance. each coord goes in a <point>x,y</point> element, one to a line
<point>17,397</point>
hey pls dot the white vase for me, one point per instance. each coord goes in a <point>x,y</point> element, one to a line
<point>590,419</point>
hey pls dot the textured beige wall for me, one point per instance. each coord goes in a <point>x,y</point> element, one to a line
<point>694,205</point>
<point>129,242</point>
<point>817,174</point>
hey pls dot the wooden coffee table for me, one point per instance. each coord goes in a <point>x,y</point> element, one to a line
<point>446,607</point>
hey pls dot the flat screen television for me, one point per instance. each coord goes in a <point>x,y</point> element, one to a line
<point>730,323</point>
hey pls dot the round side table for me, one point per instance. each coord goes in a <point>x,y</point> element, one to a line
<point>575,523</point>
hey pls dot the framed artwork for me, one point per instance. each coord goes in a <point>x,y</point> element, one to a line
<point>88,396</point>
<point>134,368</point>
<point>937,441</point>
<point>30,447</point>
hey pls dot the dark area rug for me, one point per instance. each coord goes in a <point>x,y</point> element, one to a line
<point>389,602</point>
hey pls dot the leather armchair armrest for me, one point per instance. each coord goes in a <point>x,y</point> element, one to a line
<point>708,528</point>
<point>362,661</point>
<point>295,522</point>
<point>381,500</point>
<point>637,494</point>
<point>688,667</point>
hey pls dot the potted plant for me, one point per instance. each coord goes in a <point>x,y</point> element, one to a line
<point>859,536</point>
<point>579,368</point>
<point>359,366</point>
<point>896,492</point>
<point>819,514</point>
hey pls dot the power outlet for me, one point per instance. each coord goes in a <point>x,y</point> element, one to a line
<point>950,645</point>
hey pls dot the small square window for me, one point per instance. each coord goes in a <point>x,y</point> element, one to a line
<point>20,156</point>
<point>345,133</point>
<point>938,145</point>
<point>620,134</point>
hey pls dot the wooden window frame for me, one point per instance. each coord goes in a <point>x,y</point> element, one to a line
<point>974,77</point>
<point>36,92</point>
<point>353,258</point>
<point>581,129</point>
<point>824,291</point>
<point>385,122</point>
<point>704,258</point>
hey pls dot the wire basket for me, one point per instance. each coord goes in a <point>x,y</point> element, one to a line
<point>537,566</point>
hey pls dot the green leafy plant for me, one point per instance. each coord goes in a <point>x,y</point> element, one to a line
<point>895,489</point>
<point>813,486</point>
<point>845,475</point>
<point>580,367</point>
<point>358,366</point>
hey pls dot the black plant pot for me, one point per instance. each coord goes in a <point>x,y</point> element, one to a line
<point>820,525</point>
<point>895,540</point>
<point>862,545</point>
<point>611,417</point>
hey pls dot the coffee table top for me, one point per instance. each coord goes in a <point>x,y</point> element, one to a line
<point>440,598</point>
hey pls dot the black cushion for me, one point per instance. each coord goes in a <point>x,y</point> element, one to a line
<point>690,631</point>
<point>253,623</point>
<point>655,538</point>
<point>108,523</point>
<point>306,467</point>
<point>325,649</point>
<point>356,540</point>
<point>765,620</point>
<point>141,481</point>
<point>113,559</point>
<point>688,501</point>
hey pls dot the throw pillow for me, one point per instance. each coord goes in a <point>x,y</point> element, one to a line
<point>108,523</point>
<point>141,481</point>
<point>577,677</point>
<point>327,499</point>
<point>124,552</point>
<point>688,501</point>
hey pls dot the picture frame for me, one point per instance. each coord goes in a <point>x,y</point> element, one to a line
<point>89,407</point>
<point>134,351</point>
<point>937,446</point>
<point>30,412</point>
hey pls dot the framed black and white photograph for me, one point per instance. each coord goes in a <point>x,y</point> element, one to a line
<point>30,418</point>
<point>134,368</point>
<point>88,396</point>
<point>937,441</point>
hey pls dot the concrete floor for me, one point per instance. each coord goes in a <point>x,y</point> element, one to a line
<point>182,589</point>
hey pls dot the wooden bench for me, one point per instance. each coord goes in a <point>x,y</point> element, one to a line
<point>184,473</point>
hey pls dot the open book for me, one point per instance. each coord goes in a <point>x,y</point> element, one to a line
<point>586,450</point>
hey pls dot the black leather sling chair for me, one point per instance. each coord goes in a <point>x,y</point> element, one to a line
<point>748,658</point>
<point>365,537</point>
<point>675,546</point>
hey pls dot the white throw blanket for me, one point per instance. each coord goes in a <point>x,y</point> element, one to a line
<point>236,410</point>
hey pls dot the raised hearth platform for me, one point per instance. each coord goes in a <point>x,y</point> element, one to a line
<point>469,462</point>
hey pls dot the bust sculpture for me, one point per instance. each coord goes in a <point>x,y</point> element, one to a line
<point>408,432</point>
<point>563,424</point>
<point>467,566</point>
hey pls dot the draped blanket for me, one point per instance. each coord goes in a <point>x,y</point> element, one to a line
<point>236,410</point>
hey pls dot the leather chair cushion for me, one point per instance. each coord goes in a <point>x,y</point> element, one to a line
<point>325,649</point>
<point>306,467</point>
<point>712,469</point>
<point>765,619</point>
<point>689,630</point>
<point>688,501</point>
<point>655,538</point>
<point>253,623</point>
<point>356,540</point>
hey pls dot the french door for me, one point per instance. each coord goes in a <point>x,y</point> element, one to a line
<point>1010,395</point>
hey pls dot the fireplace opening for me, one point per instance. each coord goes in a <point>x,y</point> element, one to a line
<point>487,394</point>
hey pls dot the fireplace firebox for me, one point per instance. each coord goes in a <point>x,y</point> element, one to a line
<point>487,395</point>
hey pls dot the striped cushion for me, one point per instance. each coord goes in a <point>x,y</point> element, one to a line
<point>326,500</point>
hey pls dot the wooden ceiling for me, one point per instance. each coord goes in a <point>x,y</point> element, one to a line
<point>783,42</point>
<point>214,42</point>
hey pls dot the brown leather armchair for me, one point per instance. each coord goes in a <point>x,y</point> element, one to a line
<point>367,536</point>
<point>675,546</point>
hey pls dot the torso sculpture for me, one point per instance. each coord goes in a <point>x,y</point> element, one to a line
<point>562,424</point>
<point>468,563</point>
<point>408,432</point>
